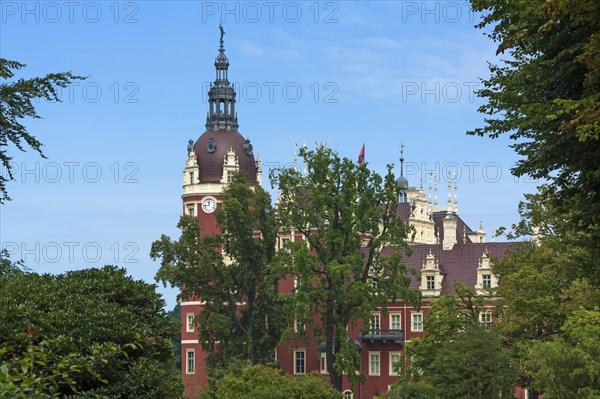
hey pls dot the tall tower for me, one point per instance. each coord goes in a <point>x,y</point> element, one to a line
<point>212,161</point>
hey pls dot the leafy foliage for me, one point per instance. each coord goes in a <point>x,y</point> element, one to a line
<point>458,357</point>
<point>93,331</point>
<point>546,96</point>
<point>261,382</point>
<point>447,316</point>
<point>568,366</point>
<point>175,315</point>
<point>227,270</point>
<point>346,214</point>
<point>16,104</point>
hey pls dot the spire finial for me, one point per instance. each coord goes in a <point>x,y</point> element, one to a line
<point>295,155</point>
<point>401,158</point>
<point>430,201</point>
<point>449,192</point>
<point>455,192</point>
<point>401,151</point>
<point>222,33</point>
<point>402,181</point>
<point>435,192</point>
<point>221,94</point>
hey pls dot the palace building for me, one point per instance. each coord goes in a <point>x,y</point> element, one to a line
<point>445,249</point>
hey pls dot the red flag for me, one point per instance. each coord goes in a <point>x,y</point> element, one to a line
<point>361,156</point>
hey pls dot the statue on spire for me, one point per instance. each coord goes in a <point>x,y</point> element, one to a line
<point>222,31</point>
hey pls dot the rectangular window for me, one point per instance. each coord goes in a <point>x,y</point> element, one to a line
<point>395,321</point>
<point>485,317</point>
<point>430,282</point>
<point>487,280</point>
<point>191,211</point>
<point>374,324</point>
<point>230,177</point>
<point>299,327</point>
<point>189,325</point>
<point>192,178</point>
<point>417,322</point>
<point>284,241</point>
<point>300,362</point>
<point>394,358</point>
<point>323,367</point>
<point>374,363</point>
<point>191,362</point>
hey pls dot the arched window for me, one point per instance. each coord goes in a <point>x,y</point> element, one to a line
<point>348,394</point>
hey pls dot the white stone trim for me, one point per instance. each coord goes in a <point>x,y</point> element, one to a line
<point>391,369</point>
<point>188,303</point>
<point>187,361</point>
<point>412,321</point>
<point>187,322</point>
<point>378,354</point>
<point>294,360</point>
<point>399,314</point>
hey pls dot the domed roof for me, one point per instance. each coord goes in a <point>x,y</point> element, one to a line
<point>402,181</point>
<point>212,147</point>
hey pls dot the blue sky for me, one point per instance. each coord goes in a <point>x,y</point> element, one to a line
<point>344,72</point>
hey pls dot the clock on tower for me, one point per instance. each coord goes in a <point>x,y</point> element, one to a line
<point>209,205</point>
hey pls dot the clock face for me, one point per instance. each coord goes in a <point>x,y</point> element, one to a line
<point>209,205</point>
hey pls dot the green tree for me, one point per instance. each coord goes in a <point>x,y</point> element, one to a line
<point>542,285</point>
<point>9,268</point>
<point>261,382</point>
<point>473,364</point>
<point>229,269</point>
<point>544,281</point>
<point>16,104</point>
<point>448,315</point>
<point>175,315</point>
<point>458,357</point>
<point>568,366</point>
<point>346,214</point>
<point>546,96</point>
<point>94,332</point>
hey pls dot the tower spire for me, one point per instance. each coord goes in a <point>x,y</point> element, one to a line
<point>455,192</point>
<point>449,208</point>
<point>401,158</point>
<point>221,95</point>
<point>402,181</point>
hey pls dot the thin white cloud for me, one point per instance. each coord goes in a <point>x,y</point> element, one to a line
<point>251,49</point>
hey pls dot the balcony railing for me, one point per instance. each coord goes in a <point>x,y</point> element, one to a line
<point>389,336</point>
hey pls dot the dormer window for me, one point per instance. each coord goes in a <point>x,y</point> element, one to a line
<point>230,175</point>
<point>431,277</point>
<point>430,282</point>
<point>486,280</point>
